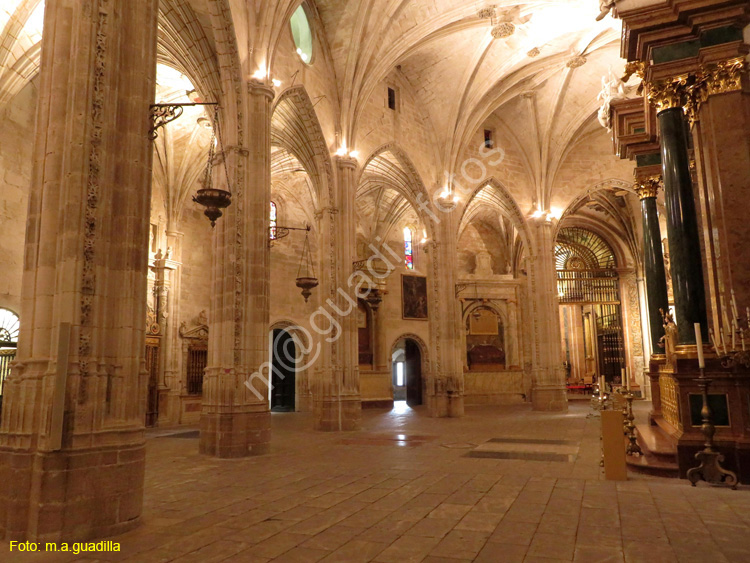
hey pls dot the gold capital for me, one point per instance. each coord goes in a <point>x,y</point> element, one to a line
<point>648,187</point>
<point>725,76</point>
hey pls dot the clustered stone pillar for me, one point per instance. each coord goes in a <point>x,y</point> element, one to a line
<point>446,390</point>
<point>549,392</point>
<point>235,416</point>
<point>682,226</point>
<point>71,442</point>
<point>336,398</point>
<point>653,259</point>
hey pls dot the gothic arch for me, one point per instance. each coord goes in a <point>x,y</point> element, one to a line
<point>296,128</point>
<point>423,349</point>
<point>499,196</point>
<point>400,174</point>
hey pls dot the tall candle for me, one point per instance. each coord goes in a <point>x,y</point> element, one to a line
<point>734,307</point>
<point>699,345</point>
<point>734,334</point>
<point>622,376</point>
<point>627,378</point>
<point>713,340</point>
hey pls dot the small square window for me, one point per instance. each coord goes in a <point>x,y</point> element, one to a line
<point>391,99</point>
<point>489,141</point>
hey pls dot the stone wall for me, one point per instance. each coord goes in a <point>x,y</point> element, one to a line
<point>16,135</point>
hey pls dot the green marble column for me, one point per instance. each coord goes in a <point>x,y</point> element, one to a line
<point>682,226</point>
<point>653,259</point>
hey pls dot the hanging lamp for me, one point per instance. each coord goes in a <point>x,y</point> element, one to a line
<point>306,279</point>
<point>214,199</point>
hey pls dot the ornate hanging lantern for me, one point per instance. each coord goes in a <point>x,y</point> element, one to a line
<point>306,279</point>
<point>214,199</point>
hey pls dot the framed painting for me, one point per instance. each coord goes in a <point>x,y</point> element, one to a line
<point>413,297</point>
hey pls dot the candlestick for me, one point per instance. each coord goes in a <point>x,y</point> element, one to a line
<point>699,345</point>
<point>742,339</point>
<point>734,307</point>
<point>734,334</point>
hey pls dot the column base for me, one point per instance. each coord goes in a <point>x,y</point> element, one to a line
<point>446,406</point>
<point>337,414</point>
<point>71,496</point>
<point>550,399</point>
<point>235,434</point>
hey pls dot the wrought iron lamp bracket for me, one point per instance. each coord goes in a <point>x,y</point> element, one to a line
<point>161,114</point>
<point>280,232</point>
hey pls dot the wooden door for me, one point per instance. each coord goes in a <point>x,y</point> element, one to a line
<point>413,373</point>
<point>283,372</point>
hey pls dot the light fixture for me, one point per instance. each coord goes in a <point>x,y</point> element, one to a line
<point>306,279</point>
<point>276,82</point>
<point>213,199</point>
<point>342,151</point>
<point>353,154</point>
<point>261,73</point>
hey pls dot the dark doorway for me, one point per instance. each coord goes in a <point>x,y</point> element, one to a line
<point>413,373</point>
<point>283,364</point>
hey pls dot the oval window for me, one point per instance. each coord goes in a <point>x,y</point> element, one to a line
<point>302,34</point>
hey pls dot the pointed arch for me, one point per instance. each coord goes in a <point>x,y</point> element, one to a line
<point>295,127</point>
<point>493,193</point>
<point>389,167</point>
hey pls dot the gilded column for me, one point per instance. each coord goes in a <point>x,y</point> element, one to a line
<point>653,259</point>
<point>72,453</point>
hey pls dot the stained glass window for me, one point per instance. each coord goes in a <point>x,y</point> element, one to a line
<point>272,222</point>
<point>408,249</point>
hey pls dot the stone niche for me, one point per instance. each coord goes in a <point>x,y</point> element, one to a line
<point>492,339</point>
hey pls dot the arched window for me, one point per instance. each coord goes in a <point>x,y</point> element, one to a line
<point>8,340</point>
<point>9,325</point>
<point>302,34</point>
<point>272,216</point>
<point>408,249</point>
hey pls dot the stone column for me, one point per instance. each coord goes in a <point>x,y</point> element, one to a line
<point>548,391</point>
<point>71,441</point>
<point>171,347</point>
<point>445,393</point>
<point>164,270</point>
<point>653,259</point>
<point>236,416</point>
<point>337,404</point>
<point>682,226</point>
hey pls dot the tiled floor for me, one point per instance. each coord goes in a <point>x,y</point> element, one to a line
<point>406,488</point>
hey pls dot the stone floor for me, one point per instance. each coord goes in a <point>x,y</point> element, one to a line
<point>502,484</point>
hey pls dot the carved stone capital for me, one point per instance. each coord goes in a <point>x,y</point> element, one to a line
<point>346,162</point>
<point>258,88</point>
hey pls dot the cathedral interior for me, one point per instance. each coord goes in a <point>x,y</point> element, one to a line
<point>375,280</point>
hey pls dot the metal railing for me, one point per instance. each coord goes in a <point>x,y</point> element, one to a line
<point>588,286</point>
